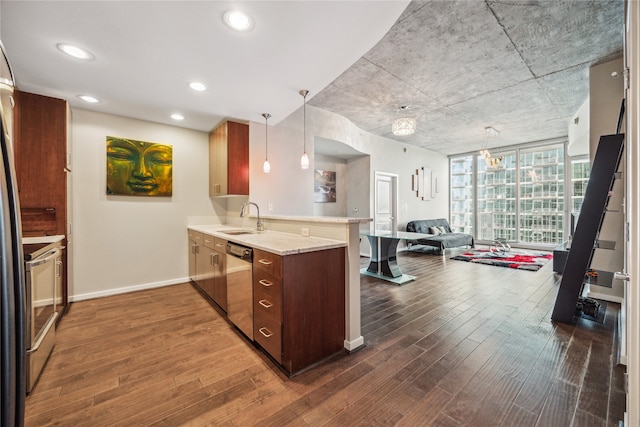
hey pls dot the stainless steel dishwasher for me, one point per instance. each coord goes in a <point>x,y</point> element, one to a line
<point>240,287</point>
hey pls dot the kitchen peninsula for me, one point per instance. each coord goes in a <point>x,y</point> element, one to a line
<point>284,291</point>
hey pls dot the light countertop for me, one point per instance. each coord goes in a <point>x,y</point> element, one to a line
<point>327,219</point>
<point>270,241</point>
<point>42,239</point>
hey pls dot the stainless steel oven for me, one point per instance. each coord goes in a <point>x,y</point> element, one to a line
<point>240,287</point>
<point>43,298</point>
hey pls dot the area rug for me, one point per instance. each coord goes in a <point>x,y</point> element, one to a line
<point>516,258</point>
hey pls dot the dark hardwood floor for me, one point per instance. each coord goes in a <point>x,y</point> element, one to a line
<point>463,345</point>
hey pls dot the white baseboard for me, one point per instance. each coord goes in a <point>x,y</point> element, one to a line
<point>354,344</point>
<point>605,297</point>
<point>117,291</point>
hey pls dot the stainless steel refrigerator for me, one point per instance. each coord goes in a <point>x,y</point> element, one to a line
<point>12,293</point>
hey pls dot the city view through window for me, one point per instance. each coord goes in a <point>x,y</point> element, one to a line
<point>522,200</point>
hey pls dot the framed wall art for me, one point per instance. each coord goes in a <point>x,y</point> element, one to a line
<point>139,168</point>
<point>324,186</point>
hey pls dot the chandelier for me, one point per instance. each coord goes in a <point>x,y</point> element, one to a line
<point>492,162</point>
<point>404,125</point>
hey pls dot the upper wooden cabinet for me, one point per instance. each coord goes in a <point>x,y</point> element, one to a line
<point>229,160</point>
<point>41,161</point>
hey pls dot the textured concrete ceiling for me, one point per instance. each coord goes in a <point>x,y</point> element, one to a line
<point>520,67</point>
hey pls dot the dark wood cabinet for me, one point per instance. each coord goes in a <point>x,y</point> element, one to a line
<point>41,160</point>
<point>42,167</point>
<point>299,311</point>
<point>229,160</point>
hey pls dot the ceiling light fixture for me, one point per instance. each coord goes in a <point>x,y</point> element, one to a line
<point>492,162</point>
<point>178,117</point>
<point>238,20</point>
<point>304,160</point>
<point>404,125</point>
<point>266,166</point>
<point>75,51</point>
<point>197,86</point>
<point>90,99</point>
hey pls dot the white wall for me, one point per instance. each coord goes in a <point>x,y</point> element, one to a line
<point>578,131</point>
<point>341,168</point>
<point>289,189</point>
<point>122,243</point>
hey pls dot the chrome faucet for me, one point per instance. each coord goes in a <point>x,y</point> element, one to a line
<point>259,225</point>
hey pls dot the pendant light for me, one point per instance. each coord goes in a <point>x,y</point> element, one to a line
<point>266,166</point>
<point>404,125</point>
<point>304,160</point>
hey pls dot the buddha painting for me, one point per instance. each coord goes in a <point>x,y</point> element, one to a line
<point>138,168</point>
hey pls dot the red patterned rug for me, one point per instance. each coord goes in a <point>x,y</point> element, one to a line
<point>515,258</point>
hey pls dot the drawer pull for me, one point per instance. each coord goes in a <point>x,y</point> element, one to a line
<point>265,303</point>
<point>265,261</point>
<point>220,245</point>
<point>266,334</point>
<point>265,283</point>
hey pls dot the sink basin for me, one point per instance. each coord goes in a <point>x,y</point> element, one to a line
<point>236,232</point>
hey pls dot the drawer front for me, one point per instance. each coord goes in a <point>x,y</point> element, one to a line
<point>207,241</point>
<point>220,245</point>
<point>268,333</point>
<point>267,284</point>
<point>266,261</point>
<point>195,235</point>
<point>265,303</point>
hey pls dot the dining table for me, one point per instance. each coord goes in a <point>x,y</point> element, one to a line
<point>384,254</point>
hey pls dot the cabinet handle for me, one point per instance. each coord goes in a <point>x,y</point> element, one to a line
<point>265,303</point>
<point>213,259</point>
<point>220,245</point>
<point>58,268</point>
<point>265,261</point>
<point>265,283</point>
<point>266,334</point>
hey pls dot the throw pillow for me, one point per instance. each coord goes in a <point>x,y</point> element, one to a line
<point>434,230</point>
<point>442,229</point>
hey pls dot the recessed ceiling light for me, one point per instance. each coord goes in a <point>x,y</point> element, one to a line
<point>75,51</point>
<point>88,98</point>
<point>197,86</point>
<point>238,20</point>
<point>177,116</point>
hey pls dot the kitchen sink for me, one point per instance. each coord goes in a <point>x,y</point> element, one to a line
<point>236,232</point>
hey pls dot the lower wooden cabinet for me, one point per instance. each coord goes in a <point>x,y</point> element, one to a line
<point>207,266</point>
<point>299,306</point>
<point>195,243</point>
<point>298,300</point>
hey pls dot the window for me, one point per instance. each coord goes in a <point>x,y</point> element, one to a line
<point>496,199</point>
<point>461,184</point>
<point>580,170</point>
<point>522,201</point>
<point>542,195</point>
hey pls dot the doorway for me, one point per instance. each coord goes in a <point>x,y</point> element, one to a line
<point>385,201</point>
